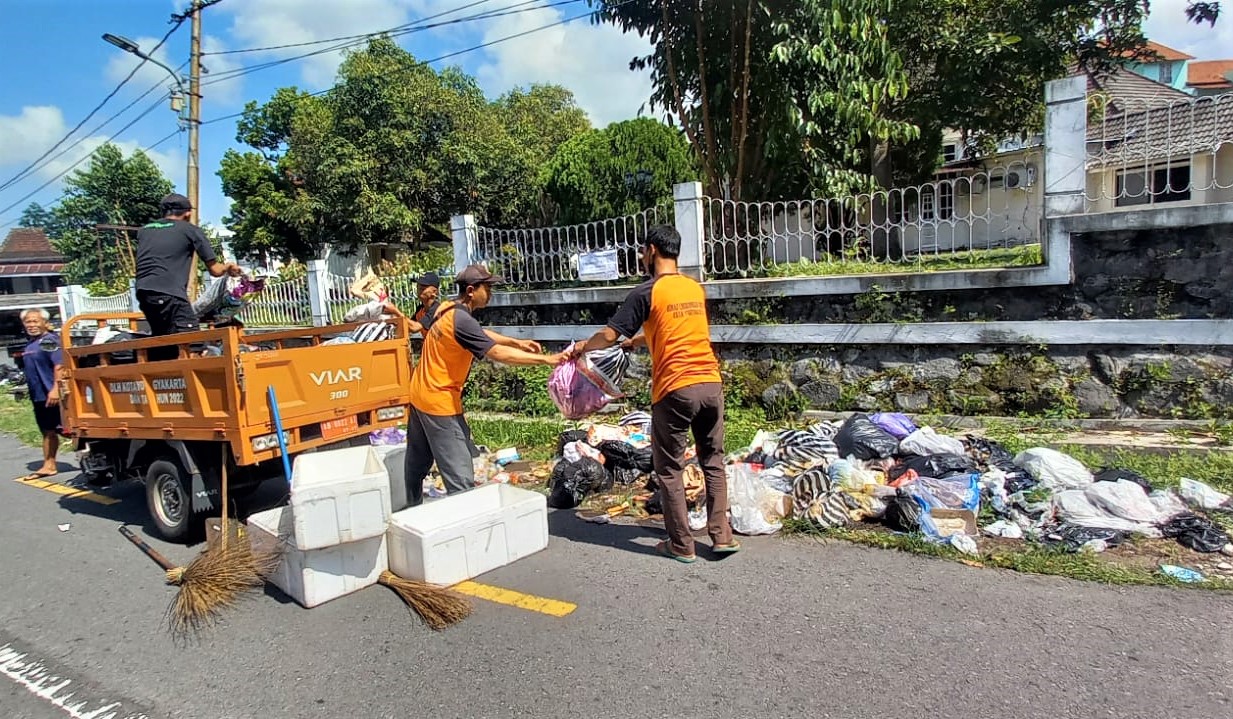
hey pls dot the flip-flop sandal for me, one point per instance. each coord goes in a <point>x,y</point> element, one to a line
<point>666,551</point>
<point>730,548</point>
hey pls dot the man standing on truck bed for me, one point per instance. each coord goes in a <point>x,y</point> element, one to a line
<point>436,428</point>
<point>686,389</point>
<point>165,250</point>
<point>42,360</point>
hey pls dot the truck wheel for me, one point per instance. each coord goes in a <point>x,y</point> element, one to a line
<point>169,501</point>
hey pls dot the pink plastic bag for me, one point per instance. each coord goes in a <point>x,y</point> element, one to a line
<point>574,394</point>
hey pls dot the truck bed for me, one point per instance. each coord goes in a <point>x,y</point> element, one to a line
<point>326,393</point>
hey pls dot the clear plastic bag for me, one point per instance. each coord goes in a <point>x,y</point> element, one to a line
<point>750,501</point>
<point>925,441</point>
<point>575,394</point>
<point>1054,470</point>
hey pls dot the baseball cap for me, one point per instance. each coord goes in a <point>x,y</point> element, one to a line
<point>476,275</point>
<point>175,202</point>
<point>429,279</point>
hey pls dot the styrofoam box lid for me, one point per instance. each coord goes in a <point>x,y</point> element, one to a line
<point>328,467</point>
<point>277,521</point>
<point>463,507</point>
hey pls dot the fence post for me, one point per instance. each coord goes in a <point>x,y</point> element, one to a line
<point>133,305</point>
<point>66,299</point>
<point>463,229</point>
<point>1065,171</point>
<point>318,292</point>
<point>688,211</point>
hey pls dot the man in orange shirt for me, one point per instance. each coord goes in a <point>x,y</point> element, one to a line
<point>437,431</point>
<point>686,389</point>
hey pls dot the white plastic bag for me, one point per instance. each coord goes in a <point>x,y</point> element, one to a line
<point>748,500</point>
<point>1124,499</point>
<point>1075,507</point>
<point>367,312</point>
<point>925,441</point>
<point>1054,470</point>
<point>1202,496</point>
<point>1167,503</point>
<point>1004,528</point>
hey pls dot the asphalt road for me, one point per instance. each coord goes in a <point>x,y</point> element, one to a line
<point>786,628</point>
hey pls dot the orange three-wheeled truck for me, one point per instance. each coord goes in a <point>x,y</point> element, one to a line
<point>169,411</point>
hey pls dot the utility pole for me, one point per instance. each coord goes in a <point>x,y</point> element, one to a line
<point>194,129</point>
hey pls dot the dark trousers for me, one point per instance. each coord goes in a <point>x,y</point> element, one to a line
<point>444,440</point>
<point>167,315</point>
<point>698,408</point>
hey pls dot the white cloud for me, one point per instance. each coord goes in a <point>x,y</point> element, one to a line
<point>592,60</point>
<point>27,135</point>
<point>1168,25</point>
<point>264,23</point>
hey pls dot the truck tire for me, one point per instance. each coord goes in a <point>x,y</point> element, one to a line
<point>167,496</point>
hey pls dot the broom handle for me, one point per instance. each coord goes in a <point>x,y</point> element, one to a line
<point>226,531</point>
<point>278,431</point>
<point>147,550</point>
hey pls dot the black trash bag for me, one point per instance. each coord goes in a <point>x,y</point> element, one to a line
<point>625,456</point>
<point>570,436</point>
<point>1195,532</point>
<point>903,513</point>
<point>1113,475</point>
<point>624,476</point>
<point>990,454</point>
<point>861,438</point>
<point>1072,537</point>
<point>938,466</point>
<point>1020,481</point>
<point>655,504</point>
<point>571,482</point>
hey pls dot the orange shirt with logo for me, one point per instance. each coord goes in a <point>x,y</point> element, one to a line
<point>671,311</point>
<point>453,342</point>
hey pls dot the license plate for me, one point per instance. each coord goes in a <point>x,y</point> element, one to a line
<point>337,427</point>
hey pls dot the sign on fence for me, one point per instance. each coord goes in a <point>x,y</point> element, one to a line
<point>600,265</point>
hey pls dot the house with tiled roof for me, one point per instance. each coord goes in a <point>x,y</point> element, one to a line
<point>1210,77</point>
<point>30,269</point>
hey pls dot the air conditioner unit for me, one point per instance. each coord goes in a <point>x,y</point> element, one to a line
<point>1020,178</point>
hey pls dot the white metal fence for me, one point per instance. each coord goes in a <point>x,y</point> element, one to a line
<point>975,215</point>
<point>122,302</point>
<point>403,290</point>
<point>1167,148</point>
<point>592,253</point>
<point>281,304</point>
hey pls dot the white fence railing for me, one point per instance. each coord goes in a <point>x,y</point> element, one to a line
<point>973,216</point>
<point>282,304</point>
<point>122,302</point>
<point>1165,149</point>
<point>403,291</point>
<point>604,251</point>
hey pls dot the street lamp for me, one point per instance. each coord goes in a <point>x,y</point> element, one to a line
<point>177,99</point>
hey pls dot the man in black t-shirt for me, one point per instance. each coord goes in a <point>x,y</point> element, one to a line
<point>165,250</point>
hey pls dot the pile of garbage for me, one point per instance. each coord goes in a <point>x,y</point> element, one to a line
<point>504,466</point>
<point>882,468</point>
<point>10,376</point>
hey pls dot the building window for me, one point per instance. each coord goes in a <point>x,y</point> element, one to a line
<point>1166,73</point>
<point>950,152</point>
<point>1145,187</point>
<point>946,201</point>
<point>926,203</point>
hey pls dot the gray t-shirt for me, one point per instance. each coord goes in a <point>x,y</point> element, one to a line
<point>165,256</point>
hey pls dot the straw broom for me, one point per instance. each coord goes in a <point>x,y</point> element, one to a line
<point>437,606</point>
<point>219,576</point>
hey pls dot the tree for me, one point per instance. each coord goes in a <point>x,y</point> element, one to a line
<point>115,190</point>
<point>35,215</point>
<point>617,171</point>
<point>1203,12</point>
<point>780,98</point>
<point>393,148</point>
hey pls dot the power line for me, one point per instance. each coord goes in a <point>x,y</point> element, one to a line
<point>343,37</point>
<point>27,169</point>
<point>66,170</point>
<point>455,53</point>
<point>392,32</point>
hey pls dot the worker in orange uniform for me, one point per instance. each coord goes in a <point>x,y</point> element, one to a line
<point>686,389</point>
<point>437,431</point>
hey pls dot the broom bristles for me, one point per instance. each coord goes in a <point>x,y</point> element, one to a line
<point>437,606</point>
<point>216,579</point>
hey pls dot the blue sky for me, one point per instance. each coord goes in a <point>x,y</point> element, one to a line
<point>54,68</point>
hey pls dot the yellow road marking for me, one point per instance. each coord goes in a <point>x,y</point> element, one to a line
<point>551,607</point>
<point>65,490</point>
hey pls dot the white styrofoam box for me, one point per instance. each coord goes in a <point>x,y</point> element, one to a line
<point>464,535</point>
<point>339,496</point>
<point>395,460</point>
<point>315,576</point>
